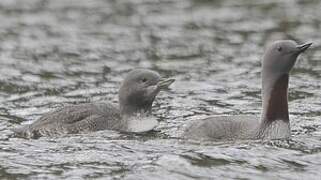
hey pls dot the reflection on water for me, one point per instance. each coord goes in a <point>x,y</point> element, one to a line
<point>61,52</point>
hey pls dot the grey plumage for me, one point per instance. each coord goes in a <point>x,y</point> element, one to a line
<point>278,61</point>
<point>136,96</point>
<point>74,119</point>
<point>222,128</point>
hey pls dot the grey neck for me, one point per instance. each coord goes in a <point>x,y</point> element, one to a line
<point>134,110</point>
<point>275,98</point>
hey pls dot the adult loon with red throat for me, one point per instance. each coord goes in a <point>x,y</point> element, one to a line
<point>278,60</point>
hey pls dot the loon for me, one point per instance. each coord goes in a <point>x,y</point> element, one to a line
<point>136,95</point>
<point>278,60</point>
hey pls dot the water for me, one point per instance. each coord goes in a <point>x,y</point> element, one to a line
<point>54,53</point>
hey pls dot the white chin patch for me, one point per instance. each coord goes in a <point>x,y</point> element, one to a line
<point>141,124</point>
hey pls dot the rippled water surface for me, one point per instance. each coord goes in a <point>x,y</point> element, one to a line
<point>54,53</point>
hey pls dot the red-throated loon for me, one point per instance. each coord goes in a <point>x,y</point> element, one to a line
<point>279,58</point>
<point>136,96</point>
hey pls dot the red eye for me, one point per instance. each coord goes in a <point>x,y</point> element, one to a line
<point>144,79</point>
<point>279,48</point>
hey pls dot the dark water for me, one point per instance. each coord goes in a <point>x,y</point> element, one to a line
<point>54,53</point>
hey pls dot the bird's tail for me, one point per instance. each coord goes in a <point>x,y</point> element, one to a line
<point>22,131</point>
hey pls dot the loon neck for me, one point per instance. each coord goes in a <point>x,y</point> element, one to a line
<point>275,98</point>
<point>129,111</point>
<point>137,119</point>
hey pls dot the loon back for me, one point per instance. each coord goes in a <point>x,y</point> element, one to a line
<point>74,119</point>
<point>223,127</point>
<point>235,127</point>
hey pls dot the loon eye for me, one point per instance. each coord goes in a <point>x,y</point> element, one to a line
<point>144,80</point>
<point>279,49</point>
